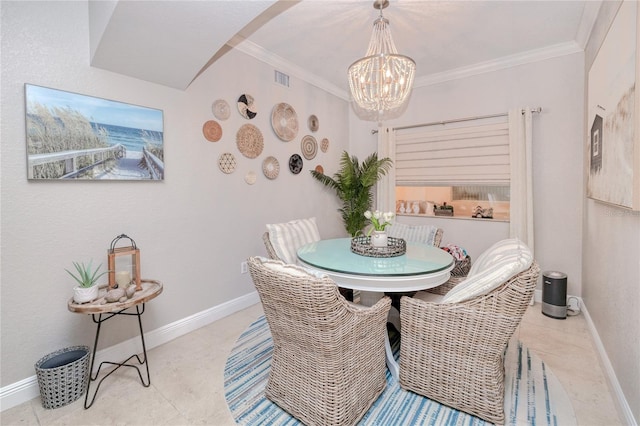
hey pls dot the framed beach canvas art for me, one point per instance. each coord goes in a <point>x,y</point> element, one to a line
<point>72,136</point>
<point>613,120</point>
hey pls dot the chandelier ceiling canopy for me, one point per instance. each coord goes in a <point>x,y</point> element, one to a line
<point>381,82</point>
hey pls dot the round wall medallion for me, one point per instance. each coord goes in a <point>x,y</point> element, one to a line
<point>295,164</point>
<point>309,147</point>
<point>249,140</point>
<point>247,106</point>
<point>313,123</point>
<point>319,169</point>
<point>271,167</point>
<point>227,162</point>
<point>284,121</point>
<point>221,109</point>
<point>212,131</point>
<point>250,178</point>
<point>324,145</point>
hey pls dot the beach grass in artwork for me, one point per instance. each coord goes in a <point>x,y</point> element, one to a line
<point>72,136</point>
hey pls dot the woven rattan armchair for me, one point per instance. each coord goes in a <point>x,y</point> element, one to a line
<point>453,353</point>
<point>328,363</point>
<point>271,252</point>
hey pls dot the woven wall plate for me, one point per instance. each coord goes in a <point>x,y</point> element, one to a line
<point>313,123</point>
<point>227,162</point>
<point>212,131</point>
<point>271,167</point>
<point>319,169</point>
<point>250,178</point>
<point>324,145</point>
<point>295,164</point>
<point>221,109</point>
<point>309,147</point>
<point>284,121</point>
<point>249,140</point>
<point>247,106</point>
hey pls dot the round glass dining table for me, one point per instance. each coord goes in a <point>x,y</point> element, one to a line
<point>421,267</point>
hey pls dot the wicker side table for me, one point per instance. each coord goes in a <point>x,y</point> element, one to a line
<point>101,312</point>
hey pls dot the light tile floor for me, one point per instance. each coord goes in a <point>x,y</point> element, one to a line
<point>187,378</point>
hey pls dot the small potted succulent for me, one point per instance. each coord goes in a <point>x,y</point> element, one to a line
<point>86,290</point>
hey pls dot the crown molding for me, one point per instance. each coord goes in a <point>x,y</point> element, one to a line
<point>261,54</point>
<point>589,16</point>
<point>530,56</point>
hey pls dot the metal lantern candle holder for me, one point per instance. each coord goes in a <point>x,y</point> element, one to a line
<point>132,251</point>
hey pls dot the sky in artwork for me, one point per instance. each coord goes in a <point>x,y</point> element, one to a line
<point>98,110</point>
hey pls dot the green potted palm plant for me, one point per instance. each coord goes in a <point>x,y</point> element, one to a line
<point>353,184</point>
<point>86,290</point>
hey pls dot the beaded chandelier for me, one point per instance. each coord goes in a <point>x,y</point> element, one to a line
<point>381,82</point>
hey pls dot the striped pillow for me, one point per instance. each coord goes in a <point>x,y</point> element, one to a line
<point>505,259</point>
<point>287,238</point>
<point>417,234</point>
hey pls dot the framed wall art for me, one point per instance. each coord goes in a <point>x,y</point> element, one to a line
<point>72,136</point>
<point>613,119</point>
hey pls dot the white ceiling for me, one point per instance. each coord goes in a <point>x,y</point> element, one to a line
<point>171,42</point>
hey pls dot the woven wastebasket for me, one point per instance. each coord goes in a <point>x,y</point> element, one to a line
<point>63,376</point>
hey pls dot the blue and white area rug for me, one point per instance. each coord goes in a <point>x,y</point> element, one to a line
<point>533,395</point>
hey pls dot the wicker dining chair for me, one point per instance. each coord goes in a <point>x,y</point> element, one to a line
<point>328,363</point>
<point>453,353</point>
<point>427,234</point>
<point>271,252</point>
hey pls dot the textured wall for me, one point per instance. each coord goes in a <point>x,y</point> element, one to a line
<point>611,265</point>
<point>194,229</point>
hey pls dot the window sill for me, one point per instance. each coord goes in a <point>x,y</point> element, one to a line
<point>454,217</point>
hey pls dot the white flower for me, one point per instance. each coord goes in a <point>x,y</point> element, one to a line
<point>379,220</point>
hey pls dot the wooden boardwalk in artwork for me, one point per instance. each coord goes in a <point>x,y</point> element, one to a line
<point>128,165</point>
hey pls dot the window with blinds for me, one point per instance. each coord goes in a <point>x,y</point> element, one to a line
<point>476,155</point>
<point>460,165</point>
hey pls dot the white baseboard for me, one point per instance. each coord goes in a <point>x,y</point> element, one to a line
<point>619,398</point>
<point>27,389</point>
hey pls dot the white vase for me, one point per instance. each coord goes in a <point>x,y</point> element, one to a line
<point>85,294</point>
<point>379,239</point>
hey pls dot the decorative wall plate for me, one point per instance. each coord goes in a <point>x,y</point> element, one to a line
<point>227,162</point>
<point>319,169</point>
<point>249,140</point>
<point>250,178</point>
<point>212,131</point>
<point>271,167</point>
<point>221,109</point>
<point>247,106</point>
<point>324,145</point>
<point>313,123</point>
<point>295,164</point>
<point>284,121</point>
<point>309,147</point>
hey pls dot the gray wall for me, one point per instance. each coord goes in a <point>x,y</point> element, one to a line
<point>611,265</point>
<point>194,229</point>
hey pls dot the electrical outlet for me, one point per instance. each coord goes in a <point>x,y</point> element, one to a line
<point>243,268</point>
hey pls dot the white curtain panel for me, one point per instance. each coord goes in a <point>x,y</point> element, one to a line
<point>386,187</point>
<point>520,142</point>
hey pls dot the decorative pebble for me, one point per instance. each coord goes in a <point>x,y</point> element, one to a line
<point>114,295</point>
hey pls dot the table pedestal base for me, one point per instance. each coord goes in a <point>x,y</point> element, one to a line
<point>369,298</point>
<point>99,319</point>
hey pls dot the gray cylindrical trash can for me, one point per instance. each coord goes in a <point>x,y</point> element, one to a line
<point>63,376</point>
<point>554,294</point>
